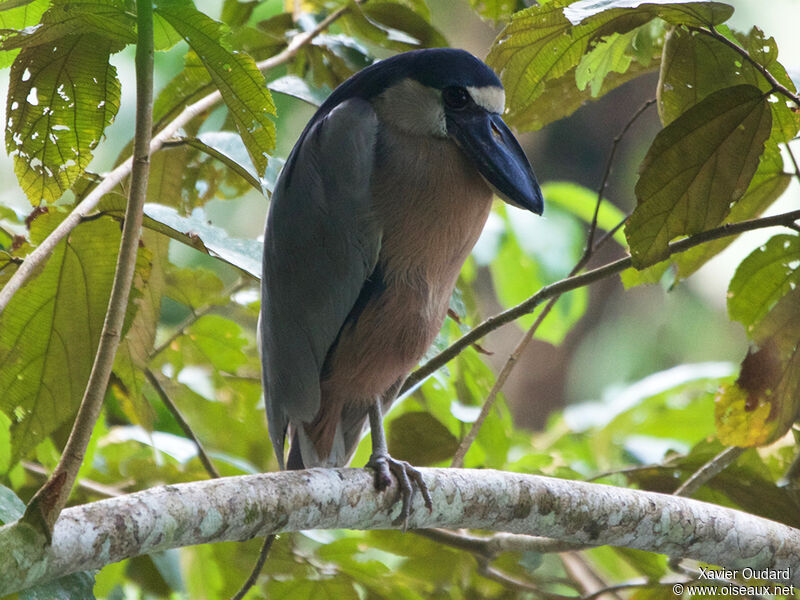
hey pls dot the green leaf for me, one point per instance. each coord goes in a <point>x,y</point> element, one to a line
<point>215,340</point>
<point>421,439</point>
<point>195,231</point>
<point>768,184</point>
<point>194,287</point>
<point>532,255</point>
<point>60,99</point>
<point>191,84</point>
<point>696,65</point>
<point>50,331</point>
<point>296,87</point>
<point>17,15</point>
<point>607,56</point>
<point>537,55</point>
<point>496,10</point>
<point>229,149</point>
<point>581,202</point>
<point>338,587</point>
<point>235,74</point>
<point>391,25</point>
<point>696,168</point>
<point>135,348</point>
<point>682,12</point>
<point>763,278</point>
<point>107,19</point>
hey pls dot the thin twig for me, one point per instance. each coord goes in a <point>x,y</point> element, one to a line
<point>709,470</point>
<point>182,423</point>
<point>43,251</point>
<point>494,574</point>
<point>262,558</point>
<point>794,161</point>
<point>607,172</point>
<point>47,503</point>
<point>776,85</point>
<point>102,489</point>
<point>493,545</point>
<point>572,283</point>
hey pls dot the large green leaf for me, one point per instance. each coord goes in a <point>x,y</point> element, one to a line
<point>696,65</point>
<point>696,168</point>
<point>421,439</point>
<point>546,43</point>
<point>768,184</point>
<point>764,277</point>
<point>235,74</point>
<point>60,99</point>
<point>50,331</point>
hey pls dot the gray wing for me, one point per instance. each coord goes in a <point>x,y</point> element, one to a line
<point>320,245</point>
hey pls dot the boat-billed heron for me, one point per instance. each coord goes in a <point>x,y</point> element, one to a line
<point>375,211</point>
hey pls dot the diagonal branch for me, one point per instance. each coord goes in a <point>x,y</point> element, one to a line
<point>572,283</point>
<point>44,508</point>
<point>238,508</point>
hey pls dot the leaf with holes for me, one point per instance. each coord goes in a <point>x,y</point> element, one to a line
<point>696,65</point>
<point>235,74</point>
<point>542,46</point>
<point>61,97</point>
<point>696,168</point>
<point>50,331</point>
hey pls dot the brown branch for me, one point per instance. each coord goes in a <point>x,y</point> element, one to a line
<point>43,251</point>
<point>44,508</point>
<point>572,283</point>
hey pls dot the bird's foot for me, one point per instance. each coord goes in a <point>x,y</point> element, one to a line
<point>407,477</point>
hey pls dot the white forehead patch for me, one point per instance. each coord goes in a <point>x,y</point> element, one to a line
<point>489,97</point>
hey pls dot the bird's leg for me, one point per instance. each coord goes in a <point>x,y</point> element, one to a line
<point>385,466</point>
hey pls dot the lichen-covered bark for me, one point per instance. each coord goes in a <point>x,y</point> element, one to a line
<point>238,508</point>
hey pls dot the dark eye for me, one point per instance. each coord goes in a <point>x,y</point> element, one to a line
<point>455,97</point>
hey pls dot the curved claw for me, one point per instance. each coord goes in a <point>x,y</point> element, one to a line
<point>407,477</point>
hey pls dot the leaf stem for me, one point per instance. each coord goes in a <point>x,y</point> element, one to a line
<point>44,508</point>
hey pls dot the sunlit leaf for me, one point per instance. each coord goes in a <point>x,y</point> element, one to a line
<point>194,287</point>
<point>682,12</point>
<point>581,202</point>
<point>197,232</point>
<point>496,10</point>
<point>766,275</point>
<point>108,20</point>
<point>696,168</point>
<point>17,15</point>
<point>235,74</point>
<point>50,331</point>
<point>609,55</point>
<point>762,404</point>
<point>60,99</point>
<point>537,53</point>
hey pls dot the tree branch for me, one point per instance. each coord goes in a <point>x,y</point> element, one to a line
<point>47,503</point>
<point>43,251</point>
<point>238,508</point>
<point>571,283</point>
